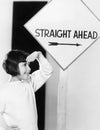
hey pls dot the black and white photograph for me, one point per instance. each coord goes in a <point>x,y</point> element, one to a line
<point>49,65</point>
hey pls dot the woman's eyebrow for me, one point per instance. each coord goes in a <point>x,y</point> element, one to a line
<point>26,63</point>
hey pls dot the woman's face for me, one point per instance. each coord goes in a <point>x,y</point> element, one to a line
<point>24,70</point>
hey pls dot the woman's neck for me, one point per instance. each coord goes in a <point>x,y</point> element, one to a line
<point>15,78</point>
<point>18,78</point>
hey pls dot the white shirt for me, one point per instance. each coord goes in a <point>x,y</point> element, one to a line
<point>17,99</point>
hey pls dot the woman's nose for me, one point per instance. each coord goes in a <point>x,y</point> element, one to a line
<point>28,68</point>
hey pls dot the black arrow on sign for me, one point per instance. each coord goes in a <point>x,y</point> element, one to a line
<point>56,44</point>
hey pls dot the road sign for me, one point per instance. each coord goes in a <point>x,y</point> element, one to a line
<point>64,28</point>
<point>93,6</point>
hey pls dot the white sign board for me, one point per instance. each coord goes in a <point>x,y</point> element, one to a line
<point>64,28</point>
<point>93,6</point>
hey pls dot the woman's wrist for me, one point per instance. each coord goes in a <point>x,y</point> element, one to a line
<point>39,55</point>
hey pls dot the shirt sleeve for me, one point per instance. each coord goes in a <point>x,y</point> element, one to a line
<point>40,76</point>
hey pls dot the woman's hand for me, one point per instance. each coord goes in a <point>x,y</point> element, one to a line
<point>33,56</point>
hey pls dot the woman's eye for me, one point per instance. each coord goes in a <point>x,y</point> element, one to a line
<point>24,64</point>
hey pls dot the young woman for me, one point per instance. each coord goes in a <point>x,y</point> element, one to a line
<point>17,98</point>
